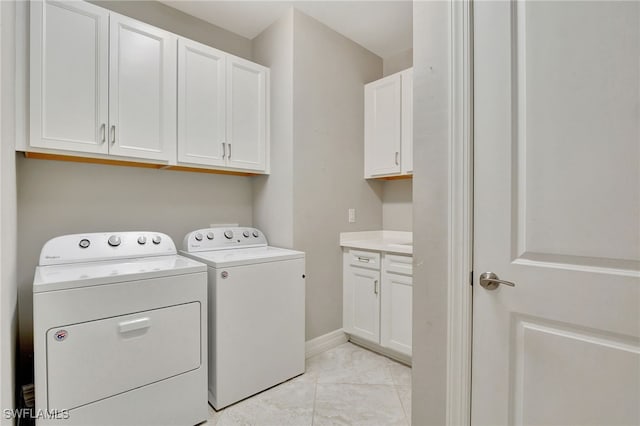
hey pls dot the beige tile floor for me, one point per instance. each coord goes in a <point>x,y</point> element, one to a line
<point>346,385</point>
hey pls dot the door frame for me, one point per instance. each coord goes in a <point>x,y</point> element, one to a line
<point>460,238</point>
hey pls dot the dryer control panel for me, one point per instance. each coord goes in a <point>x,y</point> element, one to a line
<point>105,246</point>
<point>209,239</point>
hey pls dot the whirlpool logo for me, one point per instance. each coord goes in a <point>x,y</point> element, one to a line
<point>60,335</point>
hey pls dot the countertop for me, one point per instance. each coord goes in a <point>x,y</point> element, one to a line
<point>388,241</point>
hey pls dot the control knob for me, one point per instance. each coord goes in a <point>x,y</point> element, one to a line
<point>142,240</point>
<point>210,235</point>
<point>256,234</point>
<point>198,237</point>
<point>246,234</point>
<point>156,239</point>
<point>84,243</point>
<point>228,234</point>
<point>114,241</point>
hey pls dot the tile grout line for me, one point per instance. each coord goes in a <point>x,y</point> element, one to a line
<point>315,396</point>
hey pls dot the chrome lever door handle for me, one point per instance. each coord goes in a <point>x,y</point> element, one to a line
<point>490,281</point>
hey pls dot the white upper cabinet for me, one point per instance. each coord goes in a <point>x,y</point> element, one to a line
<point>102,85</point>
<point>222,109</point>
<point>388,119</point>
<point>201,104</point>
<point>382,100</point>
<point>247,114</point>
<point>69,69</point>
<point>406,151</point>
<point>142,90</point>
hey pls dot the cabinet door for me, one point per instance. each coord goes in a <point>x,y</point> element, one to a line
<point>247,110</point>
<point>361,311</point>
<point>142,107</point>
<point>201,104</point>
<point>382,117</point>
<point>69,76</point>
<point>406,154</point>
<point>396,312</point>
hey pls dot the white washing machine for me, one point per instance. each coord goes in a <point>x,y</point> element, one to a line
<point>119,332</point>
<point>256,311</point>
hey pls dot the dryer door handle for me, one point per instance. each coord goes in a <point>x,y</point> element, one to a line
<point>136,324</point>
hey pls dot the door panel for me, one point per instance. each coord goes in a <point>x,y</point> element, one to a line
<point>362,302</point>
<point>246,114</point>
<point>69,76</point>
<point>201,104</point>
<point>556,208</point>
<point>396,312</point>
<point>99,359</point>
<point>382,104</point>
<point>142,90</point>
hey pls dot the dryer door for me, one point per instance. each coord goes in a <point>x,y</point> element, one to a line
<point>98,359</point>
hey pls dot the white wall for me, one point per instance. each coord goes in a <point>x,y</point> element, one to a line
<point>397,205</point>
<point>273,194</point>
<point>431,73</point>
<point>8,281</point>
<point>329,76</point>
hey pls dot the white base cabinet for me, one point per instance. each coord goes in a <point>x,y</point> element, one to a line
<point>377,298</point>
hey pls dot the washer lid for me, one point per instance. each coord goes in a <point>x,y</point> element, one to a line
<point>62,277</point>
<point>246,256</point>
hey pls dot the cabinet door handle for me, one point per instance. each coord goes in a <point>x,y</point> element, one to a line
<point>364,259</point>
<point>113,134</point>
<point>224,150</point>
<point>375,287</point>
<point>103,135</point>
<point>229,152</point>
<point>397,160</point>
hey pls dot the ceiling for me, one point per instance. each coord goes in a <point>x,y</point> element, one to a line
<point>383,27</point>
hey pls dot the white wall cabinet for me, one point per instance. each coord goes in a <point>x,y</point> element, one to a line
<point>69,98</point>
<point>102,85</point>
<point>377,298</point>
<point>222,109</point>
<point>388,136</point>
<point>142,90</point>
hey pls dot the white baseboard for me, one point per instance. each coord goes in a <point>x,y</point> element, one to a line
<point>390,353</point>
<point>325,342</point>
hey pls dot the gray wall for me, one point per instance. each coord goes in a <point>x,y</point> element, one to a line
<point>56,198</point>
<point>273,194</point>
<point>398,62</point>
<point>430,201</point>
<point>329,75</point>
<point>175,21</point>
<point>8,228</point>
<point>397,205</point>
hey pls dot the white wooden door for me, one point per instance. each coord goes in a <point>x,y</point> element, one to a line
<point>396,312</point>
<point>247,109</point>
<point>406,151</point>
<point>69,76</point>
<point>142,92</point>
<point>383,121</point>
<point>557,212</point>
<point>201,104</point>
<point>362,302</point>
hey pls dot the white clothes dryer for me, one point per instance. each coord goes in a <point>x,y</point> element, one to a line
<point>119,332</point>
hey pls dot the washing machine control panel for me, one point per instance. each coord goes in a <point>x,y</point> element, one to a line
<point>223,238</point>
<point>105,246</point>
